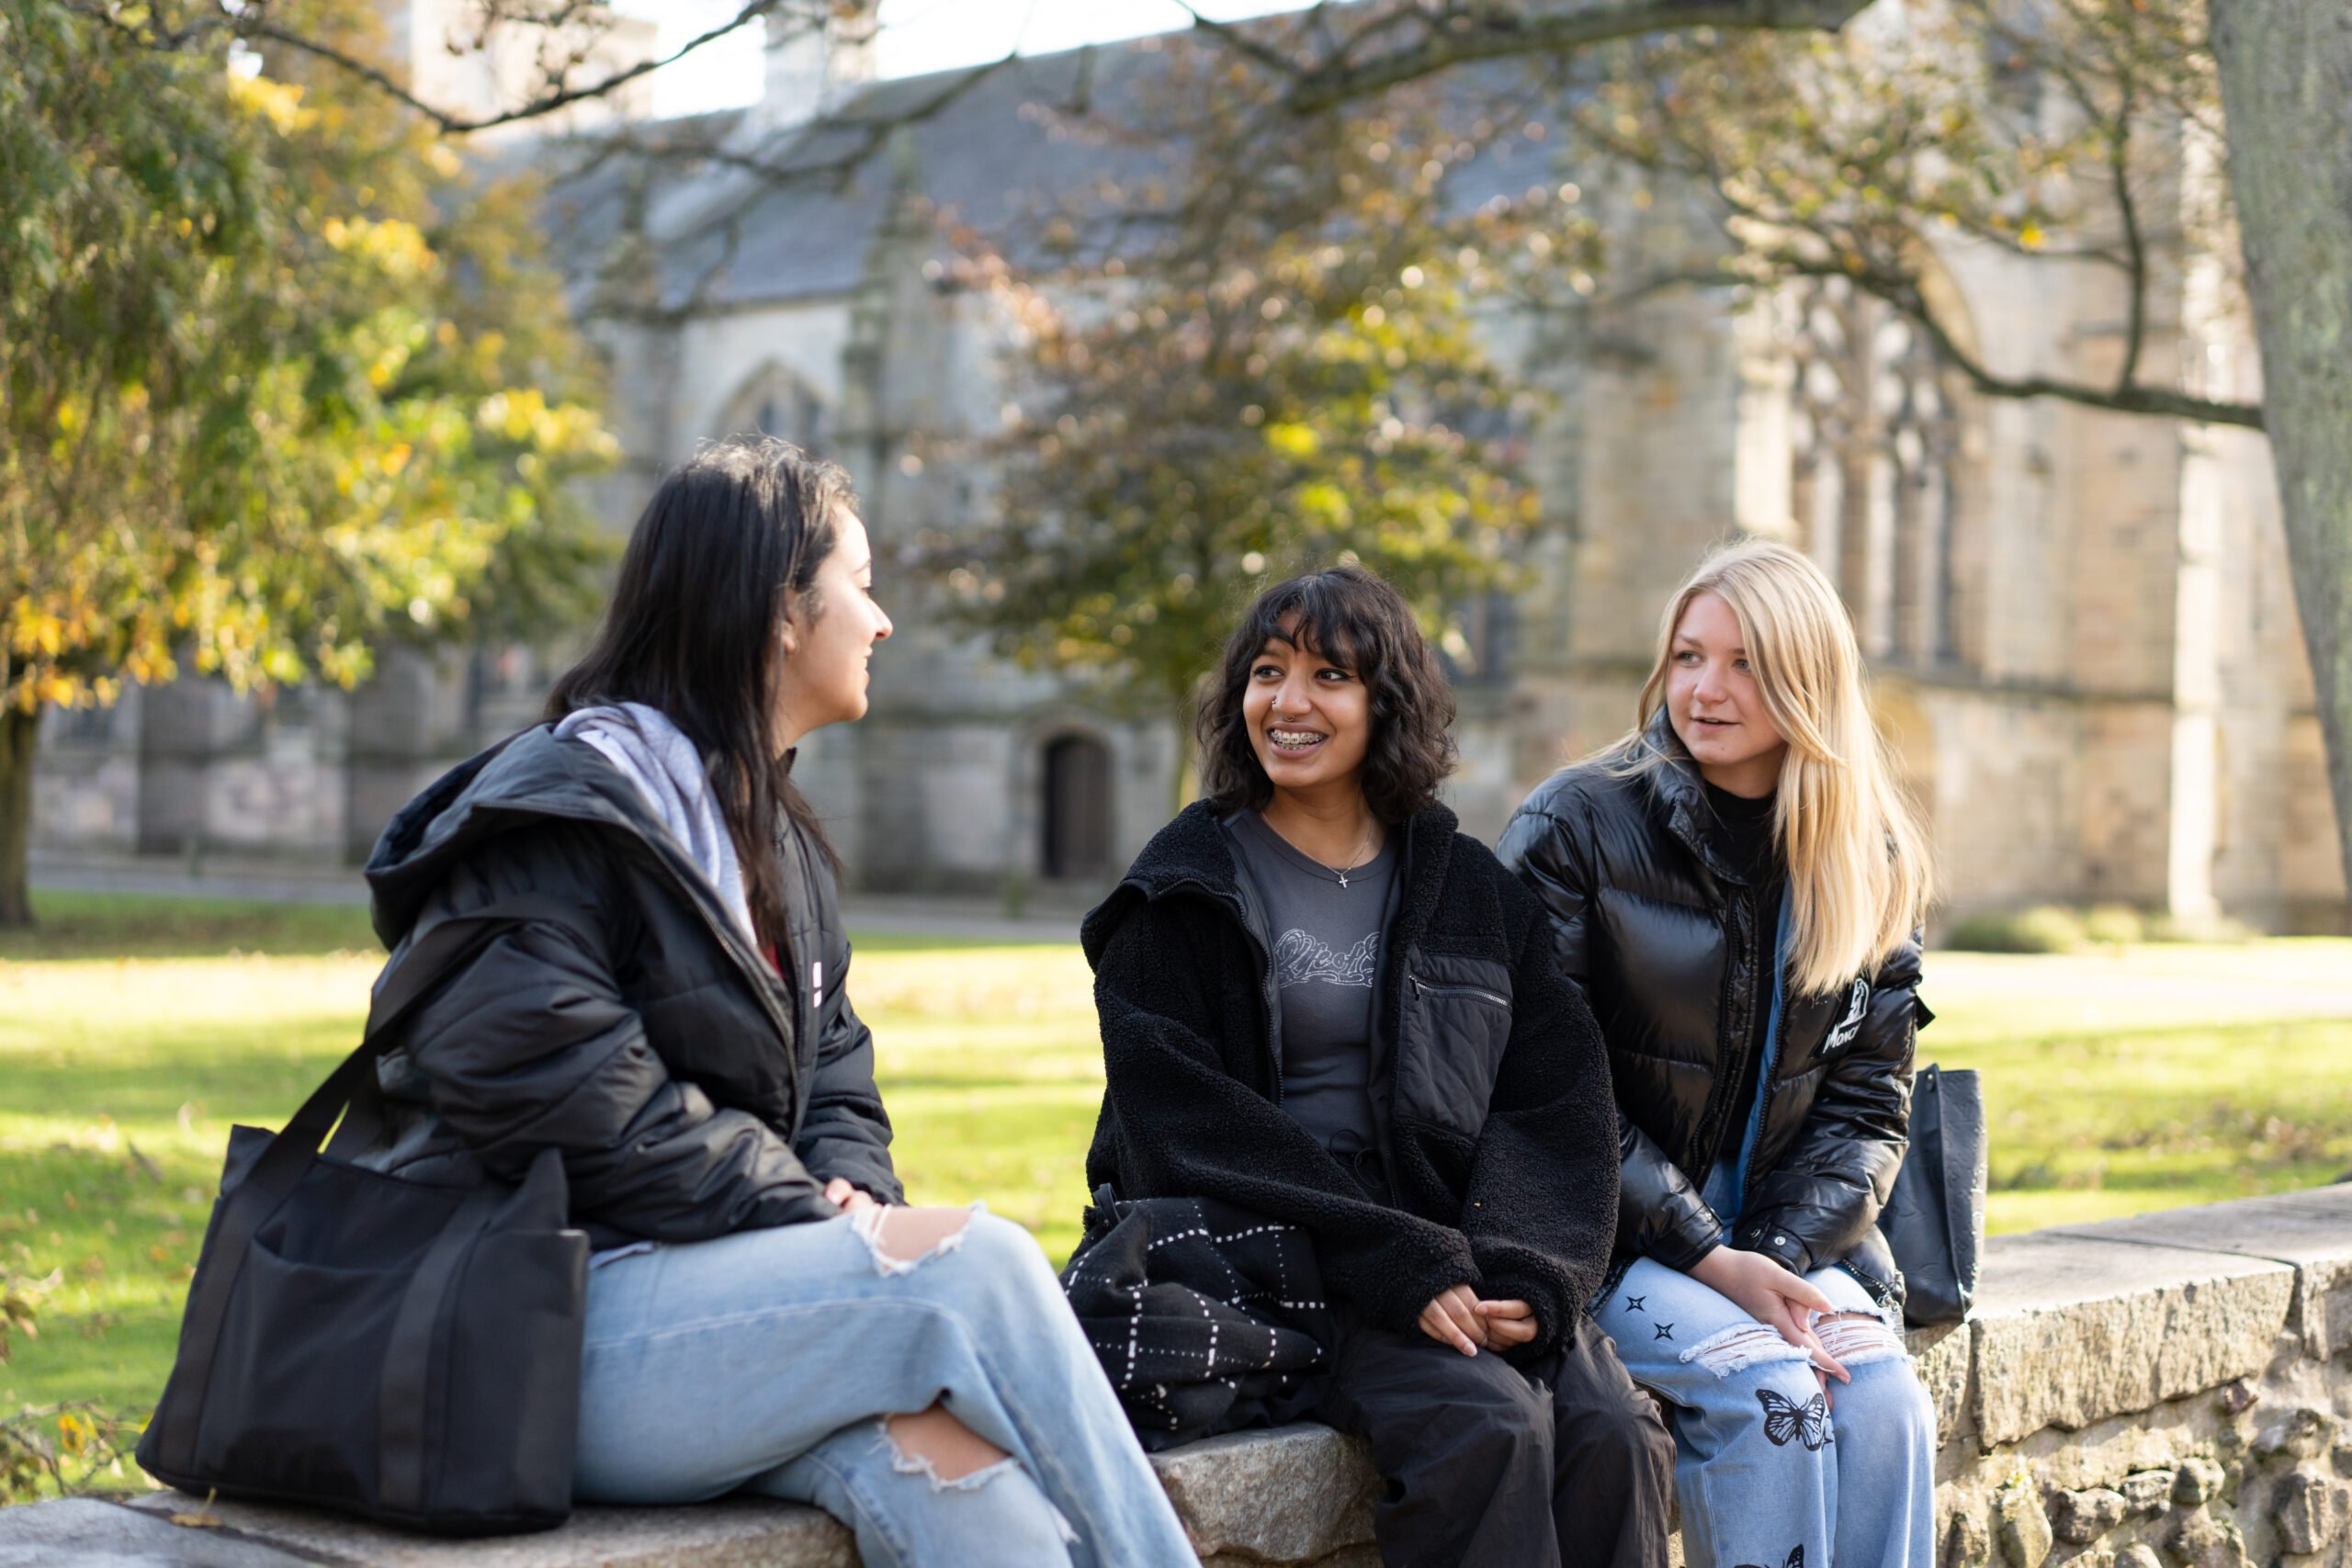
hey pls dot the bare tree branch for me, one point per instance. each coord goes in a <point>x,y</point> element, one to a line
<point>799,163</point>
<point>1463,31</point>
<point>2127,208</point>
<point>249,25</point>
<point>1242,42</point>
<point>1903,292</point>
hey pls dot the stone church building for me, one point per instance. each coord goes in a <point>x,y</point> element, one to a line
<point>2080,624</point>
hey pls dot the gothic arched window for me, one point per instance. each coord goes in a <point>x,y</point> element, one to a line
<point>774,402</point>
<point>1875,442</point>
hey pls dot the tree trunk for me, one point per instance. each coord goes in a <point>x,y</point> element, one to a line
<point>2287,88</point>
<point>19,733</point>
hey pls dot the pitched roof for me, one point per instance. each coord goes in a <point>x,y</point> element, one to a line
<point>990,147</point>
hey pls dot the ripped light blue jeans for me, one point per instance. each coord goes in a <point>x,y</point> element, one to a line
<point>1770,1475</point>
<point>766,1362</point>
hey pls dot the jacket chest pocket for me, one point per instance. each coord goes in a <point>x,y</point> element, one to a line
<point>1450,1041</point>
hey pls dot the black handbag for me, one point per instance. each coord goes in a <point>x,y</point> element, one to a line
<point>1934,1221</point>
<point>406,1352</point>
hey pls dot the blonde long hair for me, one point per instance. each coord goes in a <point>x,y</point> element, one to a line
<point>1859,872</point>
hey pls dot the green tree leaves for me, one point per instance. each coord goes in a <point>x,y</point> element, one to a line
<point>258,411</point>
<point>1276,390</point>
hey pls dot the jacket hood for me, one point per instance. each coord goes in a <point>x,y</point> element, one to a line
<point>528,777</point>
<point>1192,849</point>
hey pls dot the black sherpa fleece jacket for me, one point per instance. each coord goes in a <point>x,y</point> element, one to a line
<point>1500,1141</point>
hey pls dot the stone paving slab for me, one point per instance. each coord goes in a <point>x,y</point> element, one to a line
<point>2291,1227</point>
<point>83,1532</point>
<point>730,1533</point>
<point>2311,1230</point>
<point>1299,1493</point>
<point>1292,1494</point>
<point>2071,1329</point>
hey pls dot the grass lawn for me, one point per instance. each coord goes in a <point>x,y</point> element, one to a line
<point>2117,1084</point>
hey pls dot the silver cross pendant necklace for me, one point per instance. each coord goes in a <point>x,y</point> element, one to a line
<point>1355,859</point>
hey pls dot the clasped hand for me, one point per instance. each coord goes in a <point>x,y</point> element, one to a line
<point>1782,1301</point>
<point>1457,1317</point>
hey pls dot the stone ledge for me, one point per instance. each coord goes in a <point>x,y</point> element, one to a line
<point>2081,1336</point>
<point>2310,1231</point>
<point>1300,1493</point>
<point>2070,1329</point>
<point>1294,1494</point>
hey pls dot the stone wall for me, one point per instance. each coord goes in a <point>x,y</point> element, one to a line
<point>2162,1392</point>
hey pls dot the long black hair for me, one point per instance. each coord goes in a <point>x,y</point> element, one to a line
<point>729,543</point>
<point>1357,620</point>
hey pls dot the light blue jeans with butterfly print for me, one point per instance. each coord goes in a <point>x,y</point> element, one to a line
<point>1770,1474</point>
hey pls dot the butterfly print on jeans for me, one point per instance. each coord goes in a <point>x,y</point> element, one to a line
<point>1796,1559</point>
<point>1784,1419</point>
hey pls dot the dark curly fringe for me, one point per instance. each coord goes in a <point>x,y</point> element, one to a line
<point>1357,621</point>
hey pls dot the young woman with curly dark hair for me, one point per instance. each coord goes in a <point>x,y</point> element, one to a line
<point>1322,1004</point>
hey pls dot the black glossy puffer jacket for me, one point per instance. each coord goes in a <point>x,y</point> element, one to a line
<point>1488,1073</point>
<point>1662,933</point>
<point>621,1016</point>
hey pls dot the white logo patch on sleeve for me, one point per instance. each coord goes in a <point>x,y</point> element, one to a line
<point>1858,1006</point>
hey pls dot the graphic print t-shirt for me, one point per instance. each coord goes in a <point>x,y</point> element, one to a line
<point>1326,954</point>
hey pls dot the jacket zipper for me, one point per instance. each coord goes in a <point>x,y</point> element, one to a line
<point>761,976</point>
<point>1725,1089</point>
<point>1771,1075</point>
<point>1253,921</point>
<point>1423,988</point>
<point>1241,902</point>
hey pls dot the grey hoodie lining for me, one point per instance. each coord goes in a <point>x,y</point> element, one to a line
<point>667,769</point>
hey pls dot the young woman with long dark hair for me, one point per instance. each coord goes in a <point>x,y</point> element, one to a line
<point>1735,886</point>
<point>1321,1003</point>
<point>664,1004</point>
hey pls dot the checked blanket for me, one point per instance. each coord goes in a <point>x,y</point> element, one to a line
<point>1207,1318</point>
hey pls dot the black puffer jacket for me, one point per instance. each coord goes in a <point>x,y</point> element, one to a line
<point>623,1017</point>
<point>1662,933</point>
<point>1490,1078</point>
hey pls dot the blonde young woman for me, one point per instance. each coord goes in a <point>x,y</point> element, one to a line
<point>1735,886</point>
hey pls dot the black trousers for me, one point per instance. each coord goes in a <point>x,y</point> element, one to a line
<point>1565,1464</point>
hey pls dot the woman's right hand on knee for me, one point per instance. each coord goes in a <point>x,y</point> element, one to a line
<point>1768,1293</point>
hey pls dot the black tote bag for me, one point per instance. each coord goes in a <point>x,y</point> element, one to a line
<point>406,1352</point>
<point>1934,1221</point>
